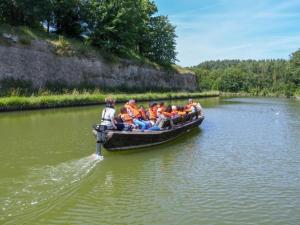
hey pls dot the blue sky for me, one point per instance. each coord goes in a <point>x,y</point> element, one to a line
<point>233,29</point>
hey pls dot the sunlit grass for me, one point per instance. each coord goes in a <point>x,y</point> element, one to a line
<point>77,99</point>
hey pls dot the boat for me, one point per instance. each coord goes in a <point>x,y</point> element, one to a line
<point>113,140</point>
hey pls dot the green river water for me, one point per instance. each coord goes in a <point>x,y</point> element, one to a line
<point>242,166</point>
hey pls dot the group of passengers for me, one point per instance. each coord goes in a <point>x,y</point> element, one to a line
<point>132,117</point>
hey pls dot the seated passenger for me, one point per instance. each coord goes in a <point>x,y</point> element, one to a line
<point>195,106</point>
<point>174,112</point>
<point>168,112</point>
<point>119,122</point>
<point>135,114</point>
<point>154,128</point>
<point>127,120</point>
<point>108,114</point>
<point>143,113</point>
<point>187,109</point>
<point>190,107</point>
<point>156,121</point>
<point>152,112</point>
<point>181,111</point>
<point>160,109</point>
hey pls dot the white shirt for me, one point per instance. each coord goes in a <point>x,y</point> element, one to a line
<point>108,114</point>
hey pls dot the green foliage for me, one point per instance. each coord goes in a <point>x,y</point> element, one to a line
<point>25,41</point>
<point>297,93</point>
<point>66,17</point>
<point>294,69</point>
<point>160,42</point>
<point>115,24</point>
<point>127,26</point>
<point>21,12</point>
<point>10,86</point>
<point>261,77</point>
<point>63,47</point>
<point>76,98</point>
<point>123,27</point>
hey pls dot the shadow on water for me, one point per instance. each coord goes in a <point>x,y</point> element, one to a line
<point>43,189</point>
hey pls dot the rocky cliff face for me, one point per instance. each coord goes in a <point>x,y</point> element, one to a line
<point>39,65</point>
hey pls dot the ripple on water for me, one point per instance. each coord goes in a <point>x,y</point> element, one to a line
<point>43,189</point>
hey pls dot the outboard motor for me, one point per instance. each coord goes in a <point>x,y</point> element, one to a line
<point>101,136</point>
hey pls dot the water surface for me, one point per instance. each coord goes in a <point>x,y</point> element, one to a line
<point>240,167</point>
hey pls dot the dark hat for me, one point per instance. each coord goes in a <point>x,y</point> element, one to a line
<point>152,104</point>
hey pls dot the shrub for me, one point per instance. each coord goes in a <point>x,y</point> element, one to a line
<point>11,86</point>
<point>25,41</point>
<point>63,47</point>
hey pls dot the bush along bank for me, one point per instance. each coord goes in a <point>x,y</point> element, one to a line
<point>15,103</point>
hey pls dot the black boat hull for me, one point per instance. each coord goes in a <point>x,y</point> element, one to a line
<point>123,140</point>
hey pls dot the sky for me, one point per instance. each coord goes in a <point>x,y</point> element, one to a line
<point>233,29</point>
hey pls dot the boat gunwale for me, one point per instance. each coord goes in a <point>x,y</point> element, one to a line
<point>175,127</point>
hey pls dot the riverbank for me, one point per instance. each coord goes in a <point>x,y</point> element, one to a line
<point>18,103</point>
<point>261,94</point>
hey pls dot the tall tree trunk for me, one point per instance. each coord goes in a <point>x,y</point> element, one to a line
<point>48,26</point>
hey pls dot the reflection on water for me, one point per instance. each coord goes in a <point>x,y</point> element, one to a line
<point>240,167</point>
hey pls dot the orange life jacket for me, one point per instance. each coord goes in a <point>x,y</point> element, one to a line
<point>143,113</point>
<point>181,113</point>
<point>167,114</point>
<point>133,109</point>
<point>152,114</point>
<point>126,118</point>
<point>188,110</point>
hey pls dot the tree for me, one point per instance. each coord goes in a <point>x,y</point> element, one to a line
<point>294,69</point>
<point>116,25</point>
<point>161,41</point>
<point>67,17</point>
<point>21,12</point>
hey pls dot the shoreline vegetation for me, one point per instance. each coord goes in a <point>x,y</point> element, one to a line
<point>77,99</point>
<point>251,77</point>
<point>19,103</point>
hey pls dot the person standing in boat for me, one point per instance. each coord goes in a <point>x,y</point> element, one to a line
<point>108,114</point>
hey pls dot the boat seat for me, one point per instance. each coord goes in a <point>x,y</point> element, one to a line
<point>177,120</point>
<point>166,124</point>
<point>188,117</point>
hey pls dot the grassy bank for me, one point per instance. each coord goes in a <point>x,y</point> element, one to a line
<point>258,94</point>
<point>247,94</point>
<point>15,103</point>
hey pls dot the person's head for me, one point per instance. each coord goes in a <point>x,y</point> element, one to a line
<point>152,104</point>
<point>174,108</point>
<point>180,108</point>
<point>132,102</point>
<point>161,104</point>
<point>123,110</point>
<point>142,107</point>
<point>168,109</point>
<point>110,101</point>
<point>190,101</point>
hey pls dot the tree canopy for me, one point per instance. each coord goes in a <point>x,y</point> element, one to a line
<point>116,26</point>
<point>253,76</point>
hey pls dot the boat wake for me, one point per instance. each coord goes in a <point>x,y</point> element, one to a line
<point>45,188</point>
